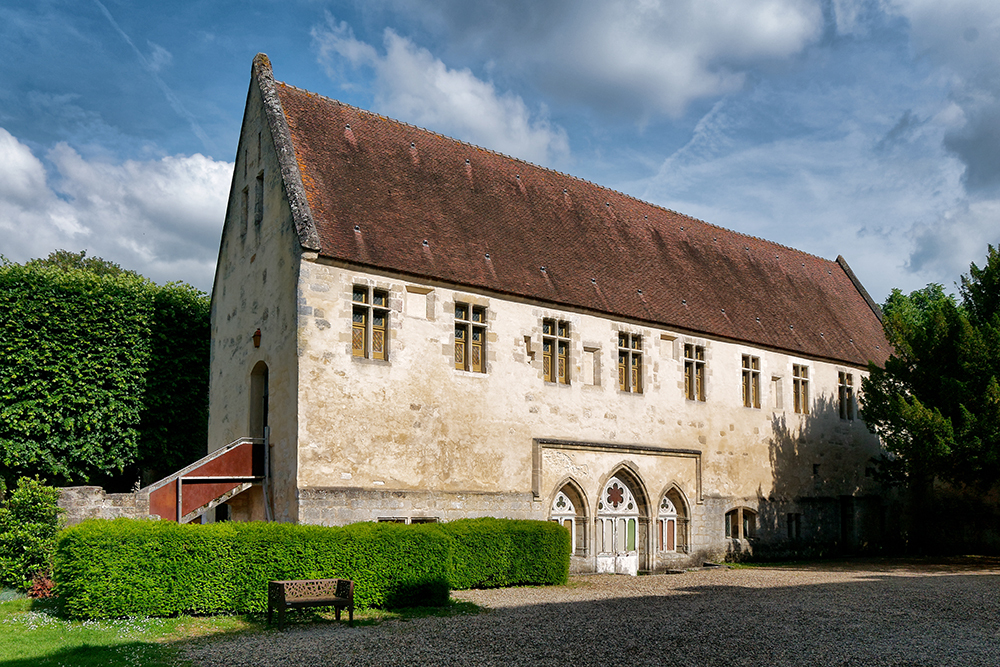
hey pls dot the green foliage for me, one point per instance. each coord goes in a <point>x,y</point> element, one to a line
<point>29,520</point>
<point>493,553</point>
<point>65,260</point>
<point>936,404</point>
<point>124,567</point>
<point>100,370</point>
<point>106,569</point>
<point>71,370</point>
<point>173,423</point>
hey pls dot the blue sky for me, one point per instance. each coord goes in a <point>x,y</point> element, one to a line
<point>867,128</point>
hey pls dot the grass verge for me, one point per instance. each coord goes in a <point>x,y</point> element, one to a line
<point>32,633</point>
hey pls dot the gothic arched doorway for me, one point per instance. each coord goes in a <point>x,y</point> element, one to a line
<point>620,527</point>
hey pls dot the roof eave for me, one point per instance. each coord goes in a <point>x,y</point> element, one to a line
<point>861,288</point>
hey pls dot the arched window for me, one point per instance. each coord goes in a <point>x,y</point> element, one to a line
<point>564,513</point>
<point>666,526</point>
<point>568,509</point>
<point>741,524</point>
<point>681,535</point>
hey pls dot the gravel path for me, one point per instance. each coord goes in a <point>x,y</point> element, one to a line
<point>867,613</point>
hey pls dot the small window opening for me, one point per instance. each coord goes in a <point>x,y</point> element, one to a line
<point>470,338</point>
<point>751,381</point>
<point>800,388</point>
<point>845,390</point>
<point>630,362</point>
<point>741,524</point>
<point>694,372</point>
<point>794,526</point>
<point>555,351</point>
<point>370,328</point>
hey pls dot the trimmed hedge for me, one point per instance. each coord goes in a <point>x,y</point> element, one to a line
<point>494,553</point>
<point>125,567</point>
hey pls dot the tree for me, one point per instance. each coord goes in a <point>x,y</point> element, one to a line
<point>102,372</point>
<point>65,260</point>
<point>936,403</point>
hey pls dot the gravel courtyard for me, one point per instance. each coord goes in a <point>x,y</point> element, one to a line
<point>861,613</point>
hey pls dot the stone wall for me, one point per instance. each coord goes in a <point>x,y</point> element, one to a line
<point>92,502</point>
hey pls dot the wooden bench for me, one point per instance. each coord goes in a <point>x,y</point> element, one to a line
<point>301,593</point>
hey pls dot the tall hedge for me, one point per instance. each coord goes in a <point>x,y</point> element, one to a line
<point>126,567</point>
<point>100,371</point>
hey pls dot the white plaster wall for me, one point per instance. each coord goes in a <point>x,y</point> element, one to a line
<point>416,423</point>
<point>255,285</point>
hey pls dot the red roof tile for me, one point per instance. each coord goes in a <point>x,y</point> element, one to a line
<point>386,194</point>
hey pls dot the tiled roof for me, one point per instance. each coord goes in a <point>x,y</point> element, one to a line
<point>385,194</point>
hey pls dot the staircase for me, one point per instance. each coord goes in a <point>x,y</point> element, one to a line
<point>210,481</point>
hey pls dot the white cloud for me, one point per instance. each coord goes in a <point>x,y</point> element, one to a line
<point>634,57</point>
<point>159,57</point>
<point>161,218</point>
<point>961,37</point>
<point>943,246</point>
<point>893,206</point>
<point>414,86</point>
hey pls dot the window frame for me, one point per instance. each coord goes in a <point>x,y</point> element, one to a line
<point>800,388</point>
<point>630,363</point>
<point>666,526</point>
<point>741,524</point>
<point>555,350</point>
<point>694,372</point>
<point>470,322</point>
<point>794,525</point>
<point>751,381</point>
<point>368,327</point>
<point>845,394</point>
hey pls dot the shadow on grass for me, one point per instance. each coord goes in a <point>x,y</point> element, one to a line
<point>301,617</point>
<point>34,631</point>
<point>131,653</point>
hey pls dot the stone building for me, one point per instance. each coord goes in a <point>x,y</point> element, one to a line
<point>425,330</point>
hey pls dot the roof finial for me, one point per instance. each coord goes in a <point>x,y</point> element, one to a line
<point>262,62</point>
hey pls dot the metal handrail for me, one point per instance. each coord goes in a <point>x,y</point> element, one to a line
<point>200,462</point>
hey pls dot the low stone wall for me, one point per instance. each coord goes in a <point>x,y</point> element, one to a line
<point>91,502</point>
<point>338,506</point>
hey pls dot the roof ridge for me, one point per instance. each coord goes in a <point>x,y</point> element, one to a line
<point>553,171</point>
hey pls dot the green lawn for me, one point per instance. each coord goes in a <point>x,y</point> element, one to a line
<point>33,635</point>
